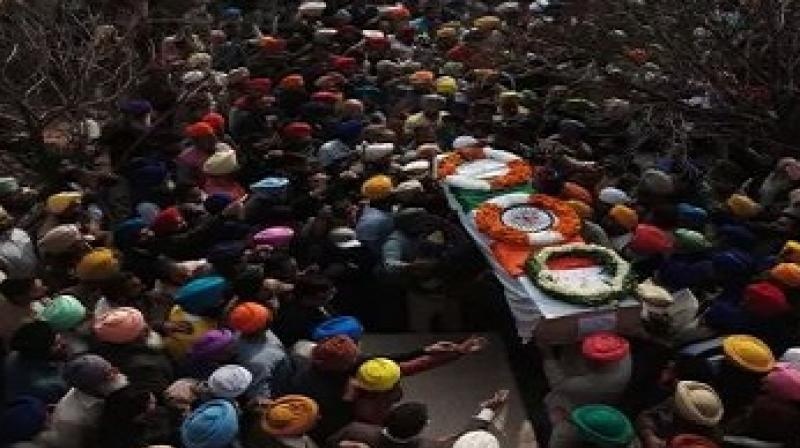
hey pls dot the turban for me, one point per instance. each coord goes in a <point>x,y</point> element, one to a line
<point>765,300</point>
<point>33,339</point>
<point>99,264</point>
<point>446,33</point>
<point>292,82</point>
<point>182,392</point>
<point>732,263</point>
<point>214,424</point>
<point>378,151</point>
<point>147,173</point>
<point>477,439</point>
<point>583,209</point>
<point>60,239</point>
<point>571,190</point>
<point>199,130</point>
<point>229,381</point>
<point>726,316</point>
<point>279,236</point>
<point>336,354</point>
<point>23,418</point>
<point>344,64</point>
<point>602,425</point>
<point>212,345</point>
<point>787,273</point>
<point>8,185</point>
<point>465,141</point>
<point>691,240</point>
<point>88,372</point>
<point>136,107</point>
<point>312,9</point>
<point>652,294</point>
<point>650,240</point>
<point>297,130</point>
<point>217,202</point>
<point>127,233</point>
<point>340,325</point>
<point>60,202</point>
<point>737,236</point>
<point>691,441</point>
<point>258,86</point>
<point>222,162</point>
<point>487,23</point>
<point>201,294</point>
<point>290,416</point>
<point>63,313</point>
<point>691,216</point>
<point>167,221</point>
<point>790,252</point>
<point>783,382</point>
<point>325,96</point>
<point>446,85</point>
<point>271,186</point>
<point>614,196</point>
<point>249,318</point>
<point>378,375</point>
<point>216,121</point>
<point>624,216</point>
<point>273,45</point>
<point>422,78</point>
<point>119,325</point>
<point>452,68</point>
<point>193,77</point>
<point>657,182</point>
<point>349,131</point>
<point>604,347</point>
<point>698,403</point>
<point>377,187</point>
<point>509,97</point>
<point>748,353</point>
<point>398,13</point>
<point>742,206</point>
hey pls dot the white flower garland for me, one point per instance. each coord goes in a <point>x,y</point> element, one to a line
<point>619,282</point>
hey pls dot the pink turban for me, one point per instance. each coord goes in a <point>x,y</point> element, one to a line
<point>119,325</point>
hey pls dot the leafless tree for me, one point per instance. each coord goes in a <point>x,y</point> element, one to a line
<point>59,63</point>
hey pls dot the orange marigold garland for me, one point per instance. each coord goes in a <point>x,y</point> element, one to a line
<point>489,220</point>
<point>518,171</point>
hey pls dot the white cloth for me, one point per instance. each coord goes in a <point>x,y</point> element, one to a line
<point>229,381</point>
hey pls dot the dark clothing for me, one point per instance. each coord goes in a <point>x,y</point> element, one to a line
<point>144,366</point>
<point>295,322</point>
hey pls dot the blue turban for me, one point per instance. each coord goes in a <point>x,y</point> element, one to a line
<point>367,92</point>
<point>201,294</point>
<point>23,418</point>
<point>737,236</point>
<point>349,131</point>
<point>148,173</point>
<point>126,232</point>
<point>733,264</point>
<point>136,107</point>
<point>727,317</point>
<point>212,425</point>
<point>338,326</point>
<point>226,253</point>
<point>231,13</point>
<point>217,202</point>
<point>691,216</point>
<point>677,274</point>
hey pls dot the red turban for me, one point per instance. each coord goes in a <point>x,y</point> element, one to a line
<point>343,64</point>
<point>297,130</point>
<point>216,121</point>
<point>604,346</point>
<point>336,354</point>
<point>765,300</point>
<point>167,221</point>
<point>650,240</point>
<point>325,96</point>
<point>199,129</point>
<point>259,85</point>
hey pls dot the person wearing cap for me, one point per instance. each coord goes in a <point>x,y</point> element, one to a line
<point>91,379</point>
<point>596,372</point>
<point>406,421</point>
<point>695,408</point>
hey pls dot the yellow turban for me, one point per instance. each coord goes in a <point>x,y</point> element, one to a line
<point>742,206</point>
<point>377,187</point>
<point>60,202</point>
<point>625,216</point>
<point>378,375</point>
<point>99,264</point>
<point>748,353</point>
<point>791,251</point>
<point>290,416</point>
<point>446,85</point>
<point>487,23</point>
<point>446,32</point>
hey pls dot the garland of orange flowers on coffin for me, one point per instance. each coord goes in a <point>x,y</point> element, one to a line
<point>518,170</point>
<point>489,220</point>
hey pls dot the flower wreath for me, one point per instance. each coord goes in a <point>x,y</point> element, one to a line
<point>519,171</point>
<point>562,222</point>
<point>617,281</point>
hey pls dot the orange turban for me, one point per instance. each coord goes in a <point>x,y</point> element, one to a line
<point>571,190</point>
<point>250,317</point>
<point>199,130</point>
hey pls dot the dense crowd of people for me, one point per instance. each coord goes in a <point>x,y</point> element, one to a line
<point>268,191</point>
